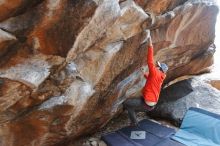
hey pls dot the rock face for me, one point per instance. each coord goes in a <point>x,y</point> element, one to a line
<point>15,7</point>
<point>178,98</point>
<point>66,66</point>
<point>6,40</point>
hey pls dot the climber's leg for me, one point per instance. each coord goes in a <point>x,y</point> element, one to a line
<point>131,105</point>
<point>136,104</point>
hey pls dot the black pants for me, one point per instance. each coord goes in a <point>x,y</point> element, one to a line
<point>136,104</point>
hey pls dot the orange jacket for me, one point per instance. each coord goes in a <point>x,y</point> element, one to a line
<point>151,90</point>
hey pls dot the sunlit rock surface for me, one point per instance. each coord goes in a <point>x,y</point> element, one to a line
<point>66,66</point>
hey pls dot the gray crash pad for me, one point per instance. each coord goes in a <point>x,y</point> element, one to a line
<point>147,134</point>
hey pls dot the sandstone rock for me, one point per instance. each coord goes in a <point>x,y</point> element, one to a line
<point>96,28</point>
<point>15,7</point>
<point>24,85</point>
<point>216,84</point>
<point>104,44</point>
<point>32,71</point>
<point>211,78</point>
<point>6,40</point>
<point>160,6</point>
<point>59,24</point>
<point>61,21</point>
<point>11,92</point>
<point>177,98</point>
<point>20,25</point>
<point>172,36</point>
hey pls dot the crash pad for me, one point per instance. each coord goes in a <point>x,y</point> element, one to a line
<point>199,128</point>
<point>148,133</point>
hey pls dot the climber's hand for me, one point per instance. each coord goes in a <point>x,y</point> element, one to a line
<point>149,21</point>
<point>149,42</point>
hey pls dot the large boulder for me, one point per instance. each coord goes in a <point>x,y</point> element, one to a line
<point>176,99</point>
<point>6,40</point>
<point>76,62</point>
<point>25,83</point>
<point>159,6</point>
<point>59,24</point>
<point>14,7</point>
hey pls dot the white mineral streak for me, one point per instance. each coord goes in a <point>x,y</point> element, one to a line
<point>31,72</point>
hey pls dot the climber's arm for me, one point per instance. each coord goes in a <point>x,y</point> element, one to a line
<point>150,59</point>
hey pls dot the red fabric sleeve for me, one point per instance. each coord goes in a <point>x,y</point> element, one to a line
<point>150,59</point>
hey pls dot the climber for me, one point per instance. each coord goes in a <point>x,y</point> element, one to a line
<point>151,90</point>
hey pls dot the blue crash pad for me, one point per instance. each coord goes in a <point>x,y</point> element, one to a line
<point>155,135</point>
<point>199,128</point>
